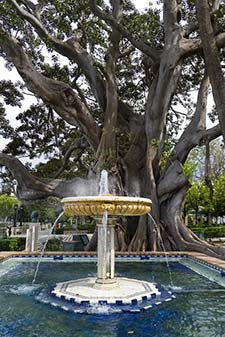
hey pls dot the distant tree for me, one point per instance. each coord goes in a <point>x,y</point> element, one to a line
<point>197,161</point>
<point>7,204</point>
<point>198,200</point>
<point>219,196</point>
<point>199,196</point>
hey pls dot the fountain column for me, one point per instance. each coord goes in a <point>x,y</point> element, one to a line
<point>106,252</point>
<point>32,238</point>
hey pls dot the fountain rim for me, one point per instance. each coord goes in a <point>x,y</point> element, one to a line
<point>114,205</point>
<point>107,198</point>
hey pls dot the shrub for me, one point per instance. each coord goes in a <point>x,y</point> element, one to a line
<point>210,231</point>
<point>59,230</point>
<point>54,245</point>
<point>12,244</point>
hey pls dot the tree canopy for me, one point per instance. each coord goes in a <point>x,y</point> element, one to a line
<point>113,87</point>
<point>7,204</point>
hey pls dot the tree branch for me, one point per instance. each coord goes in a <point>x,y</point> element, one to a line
<point>192,46</point>
<point>170,19</point>
<point>74,51</point>
<point>57,94</point>
<point>212,59</point>
<point>190,136</point>
<point>24,178</point>
<point>196,132</point>
<point>144,48</point>
<point>80,145</point>
<point>173,180</point>
<point>193,26</point>
<point>107,147</point>
<point>71,49</point>
<point>31,187</point>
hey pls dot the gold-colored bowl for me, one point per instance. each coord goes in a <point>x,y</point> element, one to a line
<point>95,206</point>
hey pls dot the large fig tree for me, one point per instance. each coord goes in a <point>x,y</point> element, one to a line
<point>113,86</point>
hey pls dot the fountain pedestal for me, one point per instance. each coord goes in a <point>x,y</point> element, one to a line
<point>106,253</point>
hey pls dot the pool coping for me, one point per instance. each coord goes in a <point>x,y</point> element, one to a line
<point>210,261</point>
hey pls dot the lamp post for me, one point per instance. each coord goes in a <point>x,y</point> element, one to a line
<point>15,215</point>
<point>21,215</point>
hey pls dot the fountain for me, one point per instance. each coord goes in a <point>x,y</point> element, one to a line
<point>106,288</point>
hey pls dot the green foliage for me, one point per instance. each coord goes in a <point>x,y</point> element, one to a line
<point>50,168</point>
<point>219,196</point>
<point>10,96</point>
<point>7,204</point>
<point>209,231</point>
<point>189,168</point>
<point>146,25</point>
<point>198,198</point>
<point>47,211</point>
<point>59,231</point>
<point>54,245</point>
<point>88,226</point>
<point>40,132</point>
<point>12,244</point>
<point>166,153</point>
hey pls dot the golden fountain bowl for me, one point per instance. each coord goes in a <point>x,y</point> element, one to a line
<point>124,206</point>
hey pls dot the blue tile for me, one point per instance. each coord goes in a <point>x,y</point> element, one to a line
<point>144,258</point>
<point>85,302</point>
<point>119,302</point>
<point>102,302</point>
<point>55,257</point>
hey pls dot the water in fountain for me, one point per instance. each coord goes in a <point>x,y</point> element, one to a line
<point>45,245</point>
<point>104,183</point>
<point>163,247</point>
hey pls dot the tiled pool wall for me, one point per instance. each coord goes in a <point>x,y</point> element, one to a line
<point>208,270</point>
<point>201,264</point>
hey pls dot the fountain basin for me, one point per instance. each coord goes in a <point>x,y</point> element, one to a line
<point>128,291</point>
<point>106,289</point>
<point>114,205</point>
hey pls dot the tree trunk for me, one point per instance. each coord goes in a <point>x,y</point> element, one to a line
<point>170,233</point>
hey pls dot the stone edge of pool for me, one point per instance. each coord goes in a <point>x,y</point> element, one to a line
<point>203,258</point>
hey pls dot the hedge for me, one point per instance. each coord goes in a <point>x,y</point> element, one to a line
<point>12,244</point>
<point>210,231</point>
<point>54,245</point>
